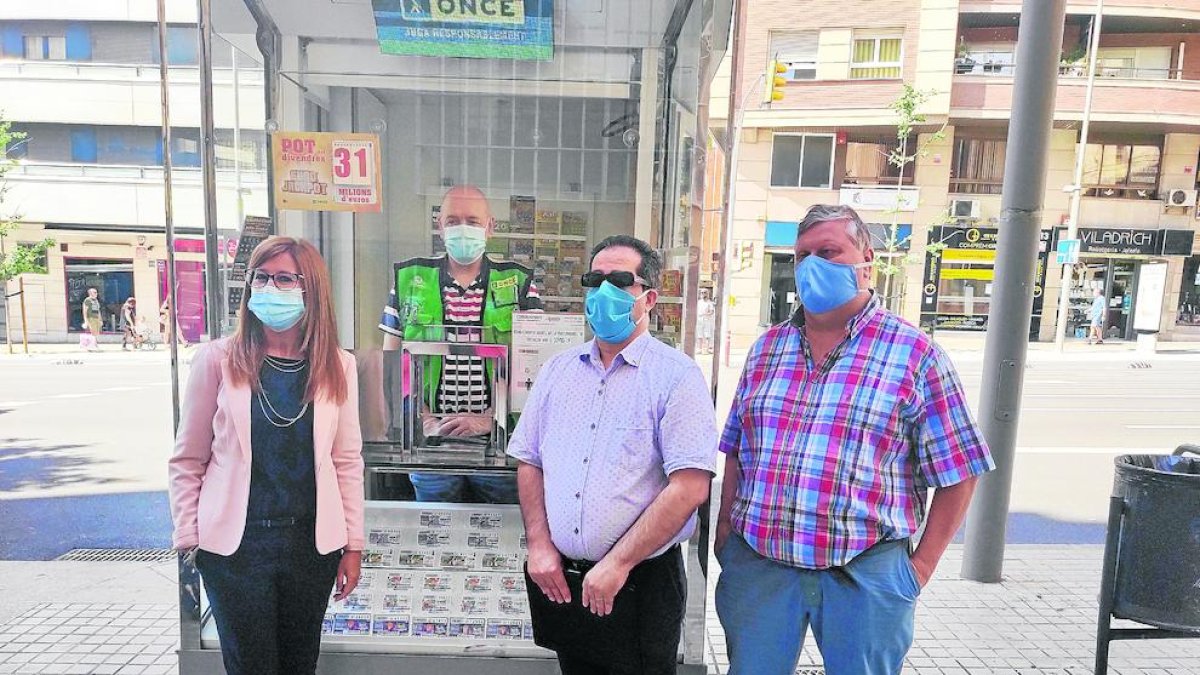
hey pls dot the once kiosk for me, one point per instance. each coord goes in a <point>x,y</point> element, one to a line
<point>575,120</point>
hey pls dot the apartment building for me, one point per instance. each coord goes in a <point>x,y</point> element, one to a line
<point>828,138</point>
<point>80,80</point>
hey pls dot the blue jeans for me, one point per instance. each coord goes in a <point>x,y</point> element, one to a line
<point>441,487</point>
<point>268,599</point>
<point>861,614</point>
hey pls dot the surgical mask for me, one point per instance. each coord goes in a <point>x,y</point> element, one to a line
<point>465,243</point>
<point>609,312</point>
<point>824,285</point>
<point>277,310</point>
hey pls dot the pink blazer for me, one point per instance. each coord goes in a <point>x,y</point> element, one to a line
<point>210,469</point>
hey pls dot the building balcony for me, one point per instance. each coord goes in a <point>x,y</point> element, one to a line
<point>1146,8</point>
<point>128,196</point>
<point>1165,103</point>
<point>125,95</point>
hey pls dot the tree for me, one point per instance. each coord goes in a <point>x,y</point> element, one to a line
<point>23,258</point>
<point>907,108</point>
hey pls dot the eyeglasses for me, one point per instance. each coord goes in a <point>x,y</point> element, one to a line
<point>284,281</point>
<point>618,279</point>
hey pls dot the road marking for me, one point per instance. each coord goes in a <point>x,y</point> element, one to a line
<point>73,395</point>
<point>121,389</point>
<point>14,404</point>
<point>1086,450</point>
<point>1162,426</point>
<point>1123,396</point>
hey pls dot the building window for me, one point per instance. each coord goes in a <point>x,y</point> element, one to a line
<point>1121,171</point>
<point>978,166</point>
<point>867,163</point>
<point>797,52</point>
<point>876,58</point>
<point>1142,63</point>
<point>83,146</point>
<point>182,46</point>
<point>45,48</point>
<point>113,281</point>
<point>802,161</point>
<point>1189,293</point>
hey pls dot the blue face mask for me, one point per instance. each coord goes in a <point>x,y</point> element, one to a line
<point>823,285</point>
<point>277,310</point>
<point>609,312</point>
<point>465,243</point>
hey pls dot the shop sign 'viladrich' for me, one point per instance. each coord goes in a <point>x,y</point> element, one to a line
<point>485,29</point>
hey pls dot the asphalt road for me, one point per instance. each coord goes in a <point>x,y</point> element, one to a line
<point>84,441</point>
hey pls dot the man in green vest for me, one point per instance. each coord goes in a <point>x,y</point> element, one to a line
<point>462,296</point>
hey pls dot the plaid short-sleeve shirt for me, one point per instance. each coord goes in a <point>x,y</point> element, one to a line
<point>836,457</point>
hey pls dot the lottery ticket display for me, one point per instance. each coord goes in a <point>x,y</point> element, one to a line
<point>438,572</point>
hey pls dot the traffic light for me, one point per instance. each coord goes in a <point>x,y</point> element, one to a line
<point>775,83</point>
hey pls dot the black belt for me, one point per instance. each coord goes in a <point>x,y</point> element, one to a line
<point>280,522</point>
<point>584,566</point>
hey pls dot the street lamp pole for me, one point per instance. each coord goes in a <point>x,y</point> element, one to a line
<point>1038,48</point>
<point>1076,187</point>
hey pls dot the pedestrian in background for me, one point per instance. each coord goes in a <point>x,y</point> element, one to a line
<point>266,480</point>
<point>1097,314</point>
<point>129,325</point>
<point>617,448</point>
<point>843,418</point>
<point>92,318</point>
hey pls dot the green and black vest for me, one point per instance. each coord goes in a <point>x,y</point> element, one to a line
<point>419,284</point>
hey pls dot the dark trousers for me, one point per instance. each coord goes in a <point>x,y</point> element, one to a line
<point>639,637</point>
<point>268,599</point>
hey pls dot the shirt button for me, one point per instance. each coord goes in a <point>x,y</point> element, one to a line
<point>577,530</point>
<point>585,460</point>
<point>576,495</point>
<point>593,425</point>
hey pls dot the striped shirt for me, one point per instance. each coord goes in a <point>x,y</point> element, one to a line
<point>836,457</point>
<point>463,387</point>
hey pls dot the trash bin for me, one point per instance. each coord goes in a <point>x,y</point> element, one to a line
<point>1158,551</point>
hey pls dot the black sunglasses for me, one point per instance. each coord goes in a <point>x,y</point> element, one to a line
<point>618,279</point>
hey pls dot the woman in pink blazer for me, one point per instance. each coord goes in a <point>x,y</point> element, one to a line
<point>267,476</point>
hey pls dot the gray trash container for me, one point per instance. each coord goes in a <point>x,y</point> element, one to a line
<point>1151,568</point>
<point>1158,559</point>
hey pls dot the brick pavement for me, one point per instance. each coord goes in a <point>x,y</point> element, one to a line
<point>1041,620</point>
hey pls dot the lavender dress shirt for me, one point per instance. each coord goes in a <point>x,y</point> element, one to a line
<point>607,440</point>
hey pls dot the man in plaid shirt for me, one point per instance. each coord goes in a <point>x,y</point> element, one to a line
<point>843,418</point>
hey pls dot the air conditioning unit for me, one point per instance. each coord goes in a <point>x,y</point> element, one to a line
<point>1181,197</point>
<point>964,209</point>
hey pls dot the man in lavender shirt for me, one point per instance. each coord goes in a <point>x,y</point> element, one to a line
<point>617,447</point>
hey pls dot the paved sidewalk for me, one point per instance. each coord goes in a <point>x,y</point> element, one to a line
<point>120,619</point>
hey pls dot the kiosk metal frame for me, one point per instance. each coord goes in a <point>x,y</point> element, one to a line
<point>669,127</point>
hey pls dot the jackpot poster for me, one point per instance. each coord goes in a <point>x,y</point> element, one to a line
<point>327,171</point>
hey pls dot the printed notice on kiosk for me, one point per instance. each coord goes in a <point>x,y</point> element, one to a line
<point>326,171</point>
<point>486,29</point>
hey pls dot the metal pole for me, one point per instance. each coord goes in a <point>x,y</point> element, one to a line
<point>168,210</point>
<point>1032,119</point>
<point>237,162</point>
<point>237,136</point>
<point>24,316</point>
<point>1064,296</point>
<point>208,171</point>
<point>732,130</point>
